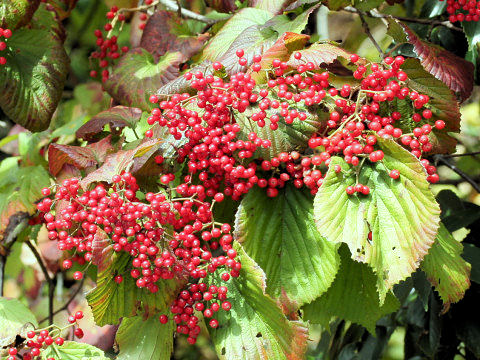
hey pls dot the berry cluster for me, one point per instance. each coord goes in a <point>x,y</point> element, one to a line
<point>109,50</point>
<point>222,156</point>
<point>463,10</point>
<point>165,237</point>
<point>39,340</point>
<point>6,34</point>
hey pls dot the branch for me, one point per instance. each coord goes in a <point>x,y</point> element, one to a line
<point>173,5</point>
<point>65,306</point>
<point>468,179</point>
<point>367,31</point>
<point>51,284</point>
<point>378,15</point>
<point>464,154</point>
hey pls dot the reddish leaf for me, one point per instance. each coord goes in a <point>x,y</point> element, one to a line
<point>162,34</point>
<point>282,49</point>
<point>222,5</point>
<point>137,76</point>
<point>122,160</point>
<point>59,155</point>
<point>103,148</point>
<point>102,251</point>
<point>180,85</point>
<point>116,117</point>
<point>320,54</point>
<point>452,70</point>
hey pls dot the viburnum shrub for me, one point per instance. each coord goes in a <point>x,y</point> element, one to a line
<point>229,178</point>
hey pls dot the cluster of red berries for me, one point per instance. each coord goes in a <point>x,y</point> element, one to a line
<point>6,34</point>
<point>223,156</point>
<point>109,50</point>
<point>166,238</point>
<point>39,340</point>
<point>463,10</point>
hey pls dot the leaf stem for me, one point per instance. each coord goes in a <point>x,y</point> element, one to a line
<point>367,31</point>
<point>445,162</point>
<point>50,280</point>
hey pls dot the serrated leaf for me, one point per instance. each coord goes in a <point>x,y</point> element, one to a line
<point>320,54</point>
<point>279,234</point>
<point>31,83</point>
<point>163,33</point>
<point>72,350</point>
<point>443,104</point>
<point>15,319</point>
<point>287,137</point>
<point>116,117</point>
<point>145,339</point>
<point>352,297</point>
<point>447,67</point>
<point>59,155</point>
<point>402,214</point>
<point>255,327</point>
<point>20,188</point>
<point>445,268</point>
<point>243,19</point>
<point>16,13</point>
<point>110,301</point>
<point>137,76</point>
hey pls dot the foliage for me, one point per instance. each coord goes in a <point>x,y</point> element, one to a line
<point>249,179</point>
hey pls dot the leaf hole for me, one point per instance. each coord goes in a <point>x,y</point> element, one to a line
<point>223,351</point>
<point>259,335</point>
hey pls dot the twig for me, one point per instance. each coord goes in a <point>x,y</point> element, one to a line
<point>70,299</point>
<point>464,154</point>
<point>456,181</point>
<point>468,179</point>
<point>51,283</point>
<point>376,14</point>
<point>173,5</point>
<point>3,261</point>
<point>367,31</point>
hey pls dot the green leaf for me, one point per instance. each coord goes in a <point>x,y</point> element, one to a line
<point>15,319</point>
<point>472,33</point>
<point>274,6</point>
<point>31,83</point>
<point>137,76</point>
<point>243,19</point>
<point>287,137</point>
<point>402,214</point>
<point>111,301</point>
<point>72,350</point>
<point>145,339</point>
<point>353,297</point>
<point>445,268</point>
<point>456,213</point>
<point>255,327</point>
<point>20,188</point>
<point>16,13</point>
<point>443,103</point>
<point>279,234</point>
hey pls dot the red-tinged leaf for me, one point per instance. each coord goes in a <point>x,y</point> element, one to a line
<point>59,155</point>
<point>103,148</point>
<point>31,83</point>
<point>320,54</point>
<point>137,76</point>
<point>180,85</point>
<point>163,33</point>
<point>16,13</point>
<point>122,160</point>
<point>116,117</point>
<point>443,104</point>
<point>447,67</point>
<point>102,251</point>
<point>222,5</point>
<point>282,49</point>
